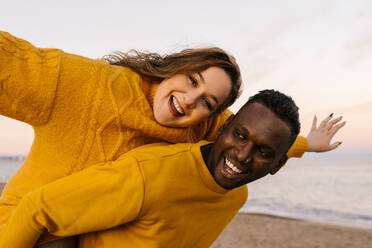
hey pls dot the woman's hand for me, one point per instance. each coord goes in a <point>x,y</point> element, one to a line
<point>319,138</point>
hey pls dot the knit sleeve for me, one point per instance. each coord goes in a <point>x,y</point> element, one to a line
<point>298,148</point>
<point>209,129</point>
<point>215,125</point>
<point>97,198</point>
<point>28,80</point>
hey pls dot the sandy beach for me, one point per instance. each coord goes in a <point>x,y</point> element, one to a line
<point>264,231</point>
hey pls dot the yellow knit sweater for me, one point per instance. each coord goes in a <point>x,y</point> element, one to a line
<point>83,112</point>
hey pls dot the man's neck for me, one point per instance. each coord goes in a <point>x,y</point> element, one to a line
<point>206,152</point>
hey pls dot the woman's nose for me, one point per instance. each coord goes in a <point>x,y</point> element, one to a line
<point>192,98</point>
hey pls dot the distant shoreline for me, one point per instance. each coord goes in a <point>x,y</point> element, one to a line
<point>12,157</point>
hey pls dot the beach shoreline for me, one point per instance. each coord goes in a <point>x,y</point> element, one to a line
<point>266,231</point>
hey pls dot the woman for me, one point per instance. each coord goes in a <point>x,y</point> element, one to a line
<point>87,111</point>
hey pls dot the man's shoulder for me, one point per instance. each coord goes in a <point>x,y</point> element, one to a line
<point>162,150</point>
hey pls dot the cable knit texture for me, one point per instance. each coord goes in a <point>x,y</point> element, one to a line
<point>83,112</point>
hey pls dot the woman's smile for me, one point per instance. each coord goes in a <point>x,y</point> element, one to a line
<point>175,108</point>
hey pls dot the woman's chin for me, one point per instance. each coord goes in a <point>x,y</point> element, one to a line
<point>165,121</point>
<point>179,122</point>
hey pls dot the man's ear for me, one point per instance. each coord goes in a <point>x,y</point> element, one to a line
<point>227,122</point>
<point>280,164</point>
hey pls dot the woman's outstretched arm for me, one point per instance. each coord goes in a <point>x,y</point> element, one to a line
<point>319,138</point>
<point>28,80</point>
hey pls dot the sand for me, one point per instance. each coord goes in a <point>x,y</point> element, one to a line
<point>264,231</point>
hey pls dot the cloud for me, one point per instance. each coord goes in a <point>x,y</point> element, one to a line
<point>359,47</point>
<point>361,108</point>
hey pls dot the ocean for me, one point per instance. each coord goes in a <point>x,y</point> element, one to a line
<point>335,189</point>
<point>8,168</point>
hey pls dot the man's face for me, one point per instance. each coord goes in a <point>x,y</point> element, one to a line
<point>253,144</point>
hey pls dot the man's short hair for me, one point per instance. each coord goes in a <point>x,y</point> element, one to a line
<point>282,106</point>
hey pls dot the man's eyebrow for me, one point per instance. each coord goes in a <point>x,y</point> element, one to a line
<point>203,81</point>
<point>260,144</point>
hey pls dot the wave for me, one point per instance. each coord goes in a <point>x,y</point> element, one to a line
<point>273,207</point>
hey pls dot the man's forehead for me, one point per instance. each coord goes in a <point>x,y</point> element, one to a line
<point>262,122</point>
<point>254,110</point>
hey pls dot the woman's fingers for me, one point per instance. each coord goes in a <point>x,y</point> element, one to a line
<point>325,121</point>
<point>319,138</point>
<point>313,126</point>
<point>334,145</point>
<point>333,122</point>
<point>337,127</point>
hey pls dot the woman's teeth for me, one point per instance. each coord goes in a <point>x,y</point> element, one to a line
<point>231,166</point>
<point>178,108</point>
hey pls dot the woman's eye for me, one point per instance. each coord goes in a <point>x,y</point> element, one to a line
<point>193,81</point>
<point>208,104</point>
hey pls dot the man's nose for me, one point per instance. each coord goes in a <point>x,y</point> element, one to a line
<point>245,152</point>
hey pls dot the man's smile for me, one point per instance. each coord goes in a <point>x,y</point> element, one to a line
<point>229,170</point>
<point>232,166</point>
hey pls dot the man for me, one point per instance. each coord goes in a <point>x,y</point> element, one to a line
<point>164,195</point>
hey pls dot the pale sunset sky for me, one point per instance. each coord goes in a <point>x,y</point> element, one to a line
<point>319,52</point>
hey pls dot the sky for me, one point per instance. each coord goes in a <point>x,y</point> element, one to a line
<point>319,52</point>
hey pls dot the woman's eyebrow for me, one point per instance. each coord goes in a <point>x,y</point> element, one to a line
<point>203,81</point>
<point>201,77</point>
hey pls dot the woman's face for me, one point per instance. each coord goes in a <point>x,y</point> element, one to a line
<point>182,101</point>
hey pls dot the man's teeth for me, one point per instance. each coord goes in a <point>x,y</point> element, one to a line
<point>231,166</point>
<point>178,108</point>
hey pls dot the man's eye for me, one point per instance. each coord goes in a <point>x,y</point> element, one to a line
<point>193,81</point>
<point>265,154</point>
<point>239,135</point>
<point>208,104</point>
